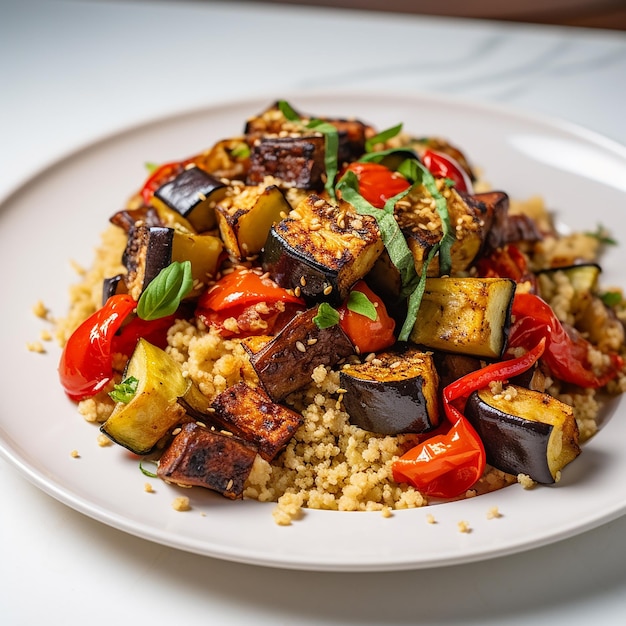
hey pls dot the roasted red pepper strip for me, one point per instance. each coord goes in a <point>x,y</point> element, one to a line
<point>446,465</point>
<point>153,331</point>
<point>506,262</point>
<point>441,165</point>
<point>237,295</point>
<point>160,176</point>
<point>85,366</point>
<point>566,355</point>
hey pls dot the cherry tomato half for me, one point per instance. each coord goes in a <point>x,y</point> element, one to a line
<point>378,183</point>
<point>442,165</point>
<point>368,335</point>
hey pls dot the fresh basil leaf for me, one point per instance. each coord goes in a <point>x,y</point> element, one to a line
<point>359,303</point>
<point>382,136</point>
<point>124,391</point>
<point>164,293</point>
<point>326,316</point>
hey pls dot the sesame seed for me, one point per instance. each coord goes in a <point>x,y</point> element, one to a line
<point>303,281</point>
<point>319,203</point>
<point>300,346</point>
<point>176,431</point>
<point>201,196</point>
<point>297,291</point>
<point>229,486</point>
<point>311,342</point>
<point>327,290</point>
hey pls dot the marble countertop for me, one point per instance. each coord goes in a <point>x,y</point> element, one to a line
<point>75,71</point>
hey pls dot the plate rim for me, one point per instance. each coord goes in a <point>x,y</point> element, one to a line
<point>73,501</point>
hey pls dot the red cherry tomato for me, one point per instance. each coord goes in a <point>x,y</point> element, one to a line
<point>441,165</point>
<point>378,183</point>
<point>85,367</point>
<point>248,298</point>
<point>368,335</point>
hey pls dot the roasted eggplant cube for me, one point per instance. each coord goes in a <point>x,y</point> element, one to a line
<point>525,431</point>
<point>193,194</point>
<point>127,219</point>
<point>465,315</point>
<point>149,250</point>
<point>393,393</point>
<point>113,286</point>
<point>492,208</point>
<point>250,413</point>
<point>201,457</point>
<point>321,250</point>
<point>245,219</point>
<point>286,362</point>
<point>296,161</point>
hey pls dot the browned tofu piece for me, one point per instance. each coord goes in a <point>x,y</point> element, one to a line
<point>286,363</point>
<point>250,413</point>
<point>297,161</point>
<point>201,457</point>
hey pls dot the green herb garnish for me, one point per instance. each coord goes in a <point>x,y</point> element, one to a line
<point>602,235</point>
<point>326,316</point>
<point>164,293</point>
<point>359,303</point>
<point>144,471</point>
<point>382,136</point>
<point>241,151</point>
<point>124,391</point>
<point>151,167</point>
<point>612,298</point>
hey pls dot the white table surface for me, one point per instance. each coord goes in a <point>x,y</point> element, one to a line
<point>71,72</point>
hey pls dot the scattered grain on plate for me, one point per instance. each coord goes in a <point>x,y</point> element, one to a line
<point>148,488</point>
<point>35,346</point>
<point>103,440</point>
<point>74,454</point>
<point>526,481</point>
<point>41,310</point>
<point>430,519</point>
<point>45,335</point>
<point>386,511</point>
<point>181,503</point>
<point>464,526</point>
<point>493,513</point>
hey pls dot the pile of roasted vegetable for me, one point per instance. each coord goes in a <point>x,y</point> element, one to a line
<point>313,240</point>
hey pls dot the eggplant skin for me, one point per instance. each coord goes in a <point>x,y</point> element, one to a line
<point>250,413</point>
<point>201,457</point>
<point>524,431</point>
<point>286,362</point>
<point>394,393</point>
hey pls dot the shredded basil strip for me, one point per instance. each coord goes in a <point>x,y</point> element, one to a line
<point>241,151</point>
<point>359,303</point>
<point>124,391</point>
<point>382,136</point>
<point>144,471</point>
<point>164,293</point>
<point>415,299</point>
<point>326,316</point>
<point>331,143</point>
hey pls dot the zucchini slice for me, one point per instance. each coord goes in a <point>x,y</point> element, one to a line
<point>286,362</point>
<point>465,315</point>
<point>250,413</point>
<point>244,220</point>
<point>154,409</point>
<point>393,393</point>
<point>321,250</point>
<point>202,457</point>
<point>193,194</point>
<point>525,432</point>
<point>151,249</point>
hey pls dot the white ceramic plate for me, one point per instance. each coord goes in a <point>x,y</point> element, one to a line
<point>57,216</point>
